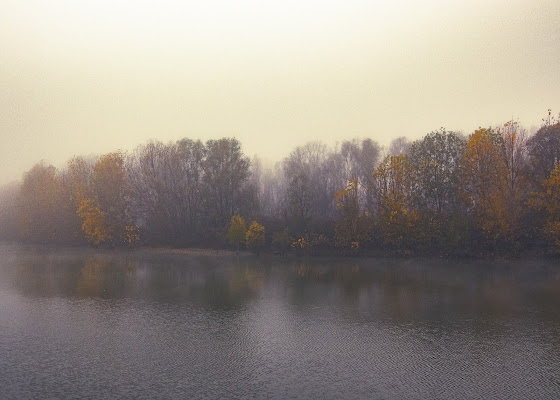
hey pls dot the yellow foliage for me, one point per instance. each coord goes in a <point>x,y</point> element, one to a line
<point>484,186</point>
<point>254,238</point>
<point>108,188</point>
<point>237,230</point>
<point>398,220</point>
<point>94,223</point>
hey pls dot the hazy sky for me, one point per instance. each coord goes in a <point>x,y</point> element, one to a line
<point>83,77</point>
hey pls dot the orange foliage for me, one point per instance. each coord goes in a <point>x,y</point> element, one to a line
<point>398,219</point>
<point>94,222</point>
<point>484,185</point>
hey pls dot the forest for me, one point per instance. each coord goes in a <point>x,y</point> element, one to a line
<point>494,192</point>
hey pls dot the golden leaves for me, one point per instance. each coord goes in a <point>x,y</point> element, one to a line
<point>94,224</point>
<point>254,238</point>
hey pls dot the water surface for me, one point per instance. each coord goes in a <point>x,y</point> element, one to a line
<point>80,323</point>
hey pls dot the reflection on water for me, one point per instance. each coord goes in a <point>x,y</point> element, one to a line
<point>79,323</point>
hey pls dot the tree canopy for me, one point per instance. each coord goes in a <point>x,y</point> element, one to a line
<point>495,191</point>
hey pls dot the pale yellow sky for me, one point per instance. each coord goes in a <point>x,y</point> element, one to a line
<point>82,77</point>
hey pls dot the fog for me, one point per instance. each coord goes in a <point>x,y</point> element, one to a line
<point>81,78</point>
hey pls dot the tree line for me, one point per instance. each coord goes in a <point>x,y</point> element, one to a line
<point>496,191</point>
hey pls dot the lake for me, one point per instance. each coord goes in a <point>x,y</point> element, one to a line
<point>80,323</point>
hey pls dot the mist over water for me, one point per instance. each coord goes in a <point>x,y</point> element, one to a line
<point>80,323</point>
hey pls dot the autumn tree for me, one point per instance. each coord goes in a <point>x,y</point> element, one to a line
<point>548,200</point>
<point>236,231</point>
<point>397,216</point>
<point>254,237</point>
<point>95,226</point>
<point>442,192</point>
<point>484,187</point>
<point>76,185</point>
<point>108,195</point>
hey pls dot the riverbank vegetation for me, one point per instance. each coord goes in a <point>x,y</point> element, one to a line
<point>496,191</point>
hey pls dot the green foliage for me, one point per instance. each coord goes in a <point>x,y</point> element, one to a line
<point>436,159</point>
<point>281,241</point>
<point>237,231</point>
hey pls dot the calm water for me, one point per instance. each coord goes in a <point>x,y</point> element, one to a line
<point>84,324</point>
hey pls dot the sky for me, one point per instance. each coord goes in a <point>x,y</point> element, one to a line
<point>90,77</point>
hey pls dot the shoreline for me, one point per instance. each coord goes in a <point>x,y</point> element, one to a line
<point>220,252</point>
<point>191,251</point>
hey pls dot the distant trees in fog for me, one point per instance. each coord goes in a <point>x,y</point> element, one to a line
<point>496,191</point>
